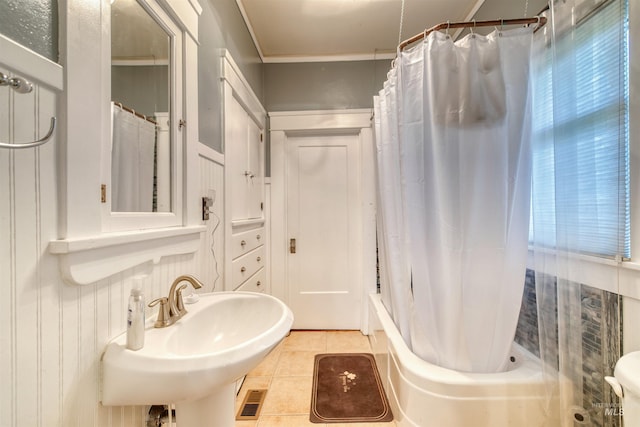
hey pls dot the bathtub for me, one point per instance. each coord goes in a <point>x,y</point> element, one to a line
<point>425,395</point>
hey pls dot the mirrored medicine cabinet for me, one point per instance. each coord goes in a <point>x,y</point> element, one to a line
<point>141,142</point>
<point>127,150</point>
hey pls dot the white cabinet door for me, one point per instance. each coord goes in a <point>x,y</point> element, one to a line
<point>255,183</point>
<point>245,153</point>
<point>236,153</point>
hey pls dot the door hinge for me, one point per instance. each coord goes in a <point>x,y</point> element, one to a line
<point>103,193</point>
<point>261,206</point>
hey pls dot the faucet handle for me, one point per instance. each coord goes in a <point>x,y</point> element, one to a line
<point>163,319</point>
<point>180,302</point>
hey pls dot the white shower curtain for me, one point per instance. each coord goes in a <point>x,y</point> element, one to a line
<point>462,212</point>
<point>394,263</point>
<point>132,156</point>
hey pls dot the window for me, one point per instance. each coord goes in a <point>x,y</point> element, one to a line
<point>580,135</point>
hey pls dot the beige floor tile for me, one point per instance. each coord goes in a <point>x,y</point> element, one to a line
<point>306,341</point>
<point>268,366</point>
<point>287,421</point>
<point>295,364</point>
<point>347,342</point>
<point>288,396</point>
<point>251,423</point>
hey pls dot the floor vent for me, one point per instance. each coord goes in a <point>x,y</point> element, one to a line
<point>250,409</point>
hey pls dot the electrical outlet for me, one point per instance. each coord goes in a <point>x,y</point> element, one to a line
<point>207,202</point>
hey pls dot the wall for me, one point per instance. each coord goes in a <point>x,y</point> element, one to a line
<point>52,334</point>
<point>323,85</point>
<point>598,343</point>
<point>224,28</point>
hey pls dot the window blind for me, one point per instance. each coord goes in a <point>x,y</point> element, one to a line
<point>580,188</point>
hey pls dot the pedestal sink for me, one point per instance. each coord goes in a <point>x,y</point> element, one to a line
<point>195,362</point>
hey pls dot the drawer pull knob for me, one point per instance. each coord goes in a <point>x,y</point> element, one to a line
<point>259,259</point>
<point>242,270</point>
<point>258,237</point>
<point>243,243</point>
<point>258,283</point>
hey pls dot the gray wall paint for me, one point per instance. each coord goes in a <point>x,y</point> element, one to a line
<point>143,88</point>
<point>33,24</point>
<point>222,27</point>
<point>323,85</point>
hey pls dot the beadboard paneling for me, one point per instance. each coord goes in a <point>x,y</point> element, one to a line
<point>52,333</point>
<point>211,252</point>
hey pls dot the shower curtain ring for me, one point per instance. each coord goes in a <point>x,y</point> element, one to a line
<point>473,35</point>
<point>448,26</point>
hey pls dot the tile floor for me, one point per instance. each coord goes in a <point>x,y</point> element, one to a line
<point>287,373</point>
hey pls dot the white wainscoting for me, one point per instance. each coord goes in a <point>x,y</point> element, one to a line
<point>53,334</point>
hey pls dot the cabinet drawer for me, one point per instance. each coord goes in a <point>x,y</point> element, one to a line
<point>245,266</point>
<point>255,283</point>
<point>246,241</point>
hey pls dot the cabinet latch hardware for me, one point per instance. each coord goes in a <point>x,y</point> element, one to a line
<point>103,193</point>
<point>182,123</point>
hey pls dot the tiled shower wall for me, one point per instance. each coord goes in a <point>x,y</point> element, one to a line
<point>600,340</point>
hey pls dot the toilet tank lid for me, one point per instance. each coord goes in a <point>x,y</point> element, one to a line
<point>627,372</point>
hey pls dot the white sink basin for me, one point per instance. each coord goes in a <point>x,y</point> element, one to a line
<point>220,339</point>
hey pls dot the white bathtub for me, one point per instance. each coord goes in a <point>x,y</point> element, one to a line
<point>425,395</point>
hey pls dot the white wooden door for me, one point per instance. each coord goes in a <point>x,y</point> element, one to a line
<point>324,231</point>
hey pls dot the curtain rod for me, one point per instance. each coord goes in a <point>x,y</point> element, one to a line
<point>132,111</point>
<point>540,20</point>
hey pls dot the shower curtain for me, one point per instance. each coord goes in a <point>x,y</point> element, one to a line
<point>580,204</point>
<point>132,156</point>
<point>455,235</point>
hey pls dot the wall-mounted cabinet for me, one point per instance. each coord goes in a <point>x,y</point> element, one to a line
<point>97,236</point>
<point>244,149</point>
<point>244,126</point>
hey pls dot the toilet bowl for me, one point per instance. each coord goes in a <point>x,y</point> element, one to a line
<point>626,385</point>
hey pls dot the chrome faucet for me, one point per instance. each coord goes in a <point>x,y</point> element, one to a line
<point>172,308</point>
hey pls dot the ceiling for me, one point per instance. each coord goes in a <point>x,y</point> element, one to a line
<point>339,30</point>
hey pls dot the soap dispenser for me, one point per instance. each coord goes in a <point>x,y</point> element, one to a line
<point>135,317</point>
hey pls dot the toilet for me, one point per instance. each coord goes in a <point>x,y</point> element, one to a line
<point>626,385</point>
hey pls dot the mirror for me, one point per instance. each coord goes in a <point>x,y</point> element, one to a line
<point>140,110</point>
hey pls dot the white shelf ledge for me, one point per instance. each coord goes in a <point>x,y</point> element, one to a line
<point>87,260</point>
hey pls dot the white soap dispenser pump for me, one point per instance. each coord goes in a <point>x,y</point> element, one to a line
<point>135,317</point>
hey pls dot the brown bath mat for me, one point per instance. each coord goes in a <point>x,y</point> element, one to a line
<point>347,389</point>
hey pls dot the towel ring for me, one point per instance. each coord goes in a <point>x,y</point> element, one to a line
<point>40,141</point>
